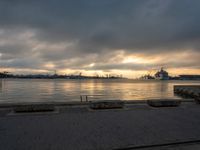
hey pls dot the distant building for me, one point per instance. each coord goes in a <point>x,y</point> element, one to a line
<point>162,75</point>
<point>189,77</point>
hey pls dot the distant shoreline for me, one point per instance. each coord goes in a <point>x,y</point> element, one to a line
<point>99,78</point>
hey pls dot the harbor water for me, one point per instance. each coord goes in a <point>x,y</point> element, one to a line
<point>64,90</point>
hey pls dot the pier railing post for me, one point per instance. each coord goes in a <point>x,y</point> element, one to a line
<point>81,98</point>
<point>86,98</point>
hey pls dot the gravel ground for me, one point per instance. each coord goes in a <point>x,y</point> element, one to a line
<point>79,128</point>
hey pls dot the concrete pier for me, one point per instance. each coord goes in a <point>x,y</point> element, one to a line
<point>191,91</point>
<point>135,126</point>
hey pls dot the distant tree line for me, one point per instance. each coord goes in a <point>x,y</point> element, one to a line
<point>55,76</point>
<point>5,74</point>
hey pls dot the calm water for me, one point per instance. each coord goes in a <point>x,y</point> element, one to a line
<point>40,90</point>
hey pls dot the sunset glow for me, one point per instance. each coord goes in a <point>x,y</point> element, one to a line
<point>131,43</point>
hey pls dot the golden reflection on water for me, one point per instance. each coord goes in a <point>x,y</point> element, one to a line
<point>38,90</point>
<point>1,86</point>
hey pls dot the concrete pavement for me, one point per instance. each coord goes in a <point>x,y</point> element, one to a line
<point>80,128</point>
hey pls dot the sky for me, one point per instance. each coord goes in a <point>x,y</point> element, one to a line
<point>129,37</point>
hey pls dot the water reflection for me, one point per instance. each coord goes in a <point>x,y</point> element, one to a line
<point>18,90</point>
<point>1,85</point>
<point>164,88</point>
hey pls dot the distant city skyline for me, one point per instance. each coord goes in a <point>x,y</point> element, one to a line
<point>132,37</point>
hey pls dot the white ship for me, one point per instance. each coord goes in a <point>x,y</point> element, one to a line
<point>162,75</point>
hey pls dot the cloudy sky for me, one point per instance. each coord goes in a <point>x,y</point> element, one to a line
<point>129,37</point>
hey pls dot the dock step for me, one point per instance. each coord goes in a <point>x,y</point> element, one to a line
<point>34,108</point>
<point>164,103</point>
<point>107,104</point>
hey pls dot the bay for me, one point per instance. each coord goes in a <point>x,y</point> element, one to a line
<point>64,90</point>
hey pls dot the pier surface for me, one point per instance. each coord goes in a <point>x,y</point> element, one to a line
<point>77,127</point>
<point>192,91</point>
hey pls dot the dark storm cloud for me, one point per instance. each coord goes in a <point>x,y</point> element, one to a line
<point>97,27</point>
